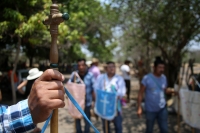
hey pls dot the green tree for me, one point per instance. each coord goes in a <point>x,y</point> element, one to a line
<point>90,24</point>
<point>165,25</point>
<point>17,21</point>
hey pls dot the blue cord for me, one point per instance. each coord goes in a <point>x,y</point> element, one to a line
<point>46,123</point>
<point>79,109</point>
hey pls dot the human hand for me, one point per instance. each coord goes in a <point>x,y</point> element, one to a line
<point>139,112</point>
<point>47,94</point>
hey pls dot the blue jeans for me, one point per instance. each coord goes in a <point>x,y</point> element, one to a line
<point>161,117</point>
<point>87,125</point>
<point>117,123</point>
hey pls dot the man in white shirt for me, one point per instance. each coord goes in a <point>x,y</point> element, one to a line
<point>110,82</point>
<point>127,78</point>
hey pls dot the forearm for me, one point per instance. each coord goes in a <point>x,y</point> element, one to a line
<point>19,87</point>
<point>170,91</point>
<point>93,96</point>
<point>140,95</point>
<point>139,100</point>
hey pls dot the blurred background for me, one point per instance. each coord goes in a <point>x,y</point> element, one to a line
<point>117,30</point>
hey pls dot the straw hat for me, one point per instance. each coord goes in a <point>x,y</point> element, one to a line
<point>34,73</point>
<point>95,60</point>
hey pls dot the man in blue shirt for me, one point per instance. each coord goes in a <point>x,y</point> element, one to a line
<point>23,116</point>
<point>154,85</point>
<point>88,80</point>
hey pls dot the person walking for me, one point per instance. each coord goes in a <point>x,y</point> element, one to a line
<point>94,68</point>
<point>127,78</point>
<point>34,73</point>
<point>111,82</point>
<point>88,79</point>
<point>154,85</point>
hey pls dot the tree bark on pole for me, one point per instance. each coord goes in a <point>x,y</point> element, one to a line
<point>54,19</point>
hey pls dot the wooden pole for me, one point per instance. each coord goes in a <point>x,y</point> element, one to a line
<point>74,125</point>
<point>179,86</point>
<point>193,88</point>
<point>54,19</point>
<point>106,126</point>
<point>178,116</point>
<point>74,119</point>
<point>106,122</point>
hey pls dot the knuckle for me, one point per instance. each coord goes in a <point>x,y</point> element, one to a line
<point>36,81</point>
<point>48,71</point>
<point>62,104</point>
<point>58,74</point>
<point>61,93</point>
<point>59,84</point>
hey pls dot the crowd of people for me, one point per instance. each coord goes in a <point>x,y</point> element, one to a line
<point>106,89</point>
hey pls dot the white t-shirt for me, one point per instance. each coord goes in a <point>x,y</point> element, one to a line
<point>125,69</point>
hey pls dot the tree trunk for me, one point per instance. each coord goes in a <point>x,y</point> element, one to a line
<point>172,73</point>
<point>148,55</point>
<point>14,70</point>
<point>172,69</point>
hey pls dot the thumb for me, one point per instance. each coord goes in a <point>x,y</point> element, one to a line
<point>51,74</point>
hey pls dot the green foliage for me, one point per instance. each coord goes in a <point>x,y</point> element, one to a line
<point>164,25</point>
<point>10,13</point>
<point>90,24</point>
<point>19,18</point>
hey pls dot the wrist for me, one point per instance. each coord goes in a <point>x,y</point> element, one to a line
<point>139,106</point>
<point>170,91</point>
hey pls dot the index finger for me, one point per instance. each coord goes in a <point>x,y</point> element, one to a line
<point>51,74</point>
